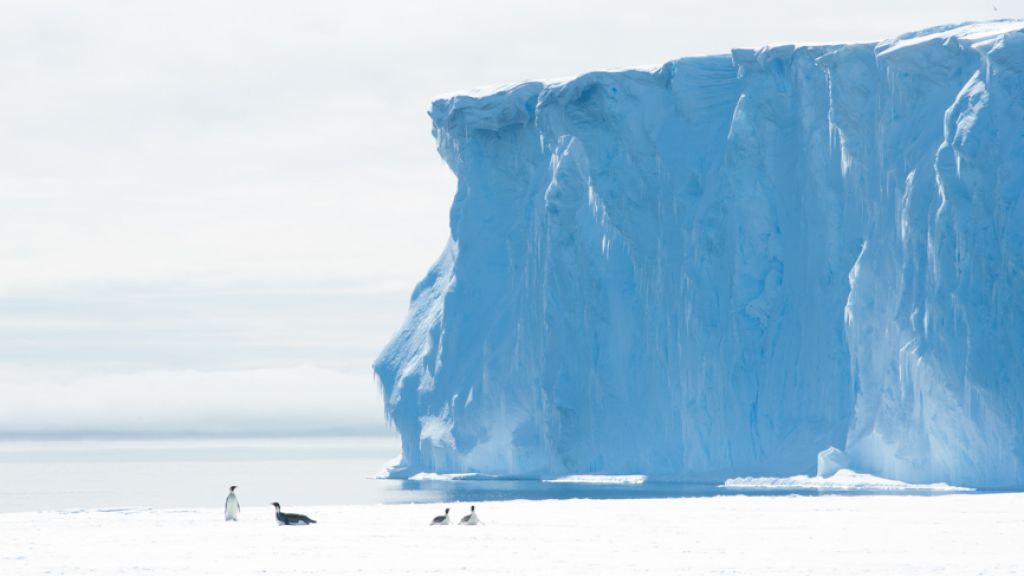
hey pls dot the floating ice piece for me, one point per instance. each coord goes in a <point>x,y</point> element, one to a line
<point>830,461</point>
<point>842,481</point>
<point>434,477</point>
<point>600,479</point>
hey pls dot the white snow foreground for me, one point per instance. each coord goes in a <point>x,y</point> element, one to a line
<point>721,267</point>
<point>740,535</point>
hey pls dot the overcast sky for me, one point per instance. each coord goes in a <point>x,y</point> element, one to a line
<point>213,213</point>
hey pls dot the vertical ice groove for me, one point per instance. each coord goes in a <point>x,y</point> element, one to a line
<point>729,264</point>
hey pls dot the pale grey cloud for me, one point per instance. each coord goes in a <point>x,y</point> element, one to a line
<point>301,400</point>
<point>160,362</point>
<point>150,328</point>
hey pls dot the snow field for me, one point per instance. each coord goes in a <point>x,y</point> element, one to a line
<point>956,534</point>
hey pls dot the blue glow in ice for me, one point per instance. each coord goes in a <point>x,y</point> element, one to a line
<point>726,265</point>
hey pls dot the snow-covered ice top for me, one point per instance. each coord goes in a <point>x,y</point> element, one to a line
<point>723,266</point>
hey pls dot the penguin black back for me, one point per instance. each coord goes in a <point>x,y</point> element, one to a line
<point>441,519</point>
<point>471,518</point>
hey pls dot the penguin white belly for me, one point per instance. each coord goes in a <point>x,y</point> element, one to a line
<point>231,508</point>
<point>470,520</point>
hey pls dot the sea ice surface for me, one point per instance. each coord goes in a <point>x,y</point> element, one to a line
<point>741,535</point>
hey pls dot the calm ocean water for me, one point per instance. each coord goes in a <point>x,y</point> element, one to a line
<point>37,475</point>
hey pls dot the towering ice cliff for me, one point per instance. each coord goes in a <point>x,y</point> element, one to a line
<point>726,265</point>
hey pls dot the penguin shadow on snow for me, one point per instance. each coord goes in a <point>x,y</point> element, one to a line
<point>470,519</point>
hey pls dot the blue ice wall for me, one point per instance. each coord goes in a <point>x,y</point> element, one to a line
<point>726,265</point>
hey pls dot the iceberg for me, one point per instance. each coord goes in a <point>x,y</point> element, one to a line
<point>725,265</point>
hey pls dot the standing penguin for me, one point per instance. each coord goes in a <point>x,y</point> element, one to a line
<point>231,506</point>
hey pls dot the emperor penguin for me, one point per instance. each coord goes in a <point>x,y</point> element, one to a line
<point>232,507</point>
<point>471,519</point>
<point>441,520</point>
<point>285,519</point>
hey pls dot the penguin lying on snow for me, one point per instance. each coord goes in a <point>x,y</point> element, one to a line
<point>232,507</point>
<point>284,519</point>
<point>471,519</point>
<point>441,520</point>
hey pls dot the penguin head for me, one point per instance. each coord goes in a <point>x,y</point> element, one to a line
<point>233,488</point>
<point>446,511</point>
<point>275,505</point>
<point>472,508</point>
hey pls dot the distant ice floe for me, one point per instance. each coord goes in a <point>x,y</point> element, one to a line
<point>600,479</point>
<point>844,480</point>
<point>434,477</point>
<point>622,479</point>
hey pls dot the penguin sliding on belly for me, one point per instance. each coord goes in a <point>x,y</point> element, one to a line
<point>285,519</point>
<point>232,507</point>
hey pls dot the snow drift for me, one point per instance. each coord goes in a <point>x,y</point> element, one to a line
<point>723,266</point>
